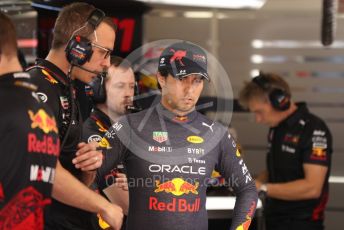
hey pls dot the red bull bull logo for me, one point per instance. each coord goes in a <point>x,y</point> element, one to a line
<point>101,127</point>
<point>318,153</point>
<point>49,77</point>
<point>43,121</point>
<point>181,119</point>
<point>177,187</point>
<point>178,56</point>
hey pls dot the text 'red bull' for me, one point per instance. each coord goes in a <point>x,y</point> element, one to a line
<point>177,187</point>
<point>176,205</point>
<point>46,145</point>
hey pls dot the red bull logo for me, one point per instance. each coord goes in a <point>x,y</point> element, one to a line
<point>45,145</point>
<point>318,153</point>
<point>176,205</point>
<point>181,119</point>
<point>43,121</point>
<point>49,77</point>
<point>292,139</point>
<point>178,56</point>
<point>199,57</point>
<point>101,127</point>
<point>177,187</point>
<point>76,53</point>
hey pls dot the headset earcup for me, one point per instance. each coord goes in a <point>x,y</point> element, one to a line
<point>90,54</point>
<point>279,99</point>
<point>98,88</point>
<point>78,50</point>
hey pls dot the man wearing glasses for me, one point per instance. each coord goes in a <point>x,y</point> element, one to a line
<point>83,38</point>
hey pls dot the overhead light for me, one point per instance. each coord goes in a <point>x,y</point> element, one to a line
<point>232,4</point>
<point>256,59</point>
<point>293,44</point>
<point>198,14</point>
<point>336,179</point>
<point>254,73</point>
<point>168,14</point>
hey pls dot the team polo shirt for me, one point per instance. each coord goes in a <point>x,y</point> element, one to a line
<point>29,150</point>
<point>302,138</point>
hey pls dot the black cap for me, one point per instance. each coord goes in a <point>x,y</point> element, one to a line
<point>183,59</point>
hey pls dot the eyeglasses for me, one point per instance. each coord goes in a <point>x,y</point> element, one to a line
<point>105,50</point>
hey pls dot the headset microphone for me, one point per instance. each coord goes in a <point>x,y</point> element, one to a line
<point>87,70</point>
<point>133,109</point>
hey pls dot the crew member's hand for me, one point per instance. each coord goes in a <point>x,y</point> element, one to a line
<point>258,184</point>
<point>121,181</point>
<point>87,157</point>
<point>113,216</point>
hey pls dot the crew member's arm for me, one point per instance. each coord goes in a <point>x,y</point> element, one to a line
<point>233,168</point>
<point>69,190</point>
<point>118,193</point>
<point>262,178</point>
<point>308,188</point>
<point>91,132</point>
<point>88,160</point>
<point>114,149</point>
<point>316,150</point>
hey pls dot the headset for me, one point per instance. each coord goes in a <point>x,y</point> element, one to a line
<point>79,49</point>
<point>96,88</point>
<point>279,98</point>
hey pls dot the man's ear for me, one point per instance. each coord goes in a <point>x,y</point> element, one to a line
<point>161,79</point>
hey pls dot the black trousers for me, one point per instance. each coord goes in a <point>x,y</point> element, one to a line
<point>294,224</point>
